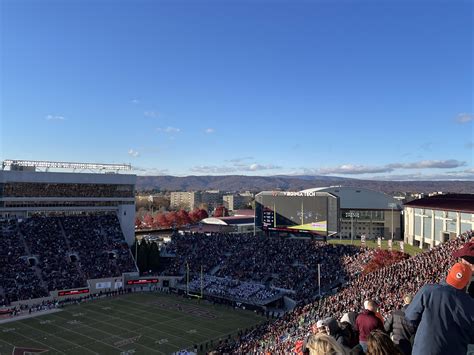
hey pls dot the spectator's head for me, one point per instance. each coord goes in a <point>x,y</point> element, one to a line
<point>459,276</point>
<point>466,253</point>
<point>320,328</point>
<point>323,344</point>
<point>370,305</point>
<point>349,317</point>
<point>331,325</point>
<point>379,343</point>
<point>407,299</point>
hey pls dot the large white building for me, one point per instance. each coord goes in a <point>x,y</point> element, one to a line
<point>25,191</point>
<point>432,220</point>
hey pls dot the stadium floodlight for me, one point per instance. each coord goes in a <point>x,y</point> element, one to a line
<point>64,165</point>
<point>392,206</point>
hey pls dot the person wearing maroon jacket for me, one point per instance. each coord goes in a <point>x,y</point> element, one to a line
<point>366,322</point>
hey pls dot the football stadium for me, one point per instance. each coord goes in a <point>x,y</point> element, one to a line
<point>69,281</point>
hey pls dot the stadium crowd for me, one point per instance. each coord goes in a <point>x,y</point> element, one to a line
<point>249,292</point>
<point>41,254</point>
<point>379,293</point>
<point>28,189</point>
<point>279,262</point>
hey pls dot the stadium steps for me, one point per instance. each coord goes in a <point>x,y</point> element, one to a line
<point>214,270</point>
<point>64,235</point>
<point>36,268</point>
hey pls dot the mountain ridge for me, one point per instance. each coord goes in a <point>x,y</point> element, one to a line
<point>234,183</point>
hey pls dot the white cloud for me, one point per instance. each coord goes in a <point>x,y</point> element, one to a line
<point>209,130</point>
<point>169,129</point>
<point>239,160</point>
<point>235,168</point>
<point>429,164</point>
<point>150,171</point>
<point>258,167</point>
<point>133,153</point>
<point>467,175</point>
<point>212,169</point>
<point>55,118</point>
<point>151,113</point>
<point>464,118</point>
<point>135,101</point>
<point>351,169</point>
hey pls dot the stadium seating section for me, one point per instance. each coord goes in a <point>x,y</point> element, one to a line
<point>41,254</point>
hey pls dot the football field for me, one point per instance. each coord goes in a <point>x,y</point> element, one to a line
<point>142,323</point>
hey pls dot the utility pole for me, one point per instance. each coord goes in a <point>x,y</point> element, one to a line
<point>187,279</point>
<point>392,206</point>
<point>319,279</point>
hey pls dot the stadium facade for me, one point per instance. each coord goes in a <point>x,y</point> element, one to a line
<point>24,191</point>
<point>335,211</point>
<point>433,220</point>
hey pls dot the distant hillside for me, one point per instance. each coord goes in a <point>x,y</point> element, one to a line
<point>294,183</point>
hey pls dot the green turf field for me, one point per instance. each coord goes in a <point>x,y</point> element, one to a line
<point>409,249</point>
<point>145,323</point>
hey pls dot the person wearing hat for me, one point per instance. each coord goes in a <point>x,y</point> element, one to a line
<point>400,328</point>
<point>444,315</point>
<point>466,253</point>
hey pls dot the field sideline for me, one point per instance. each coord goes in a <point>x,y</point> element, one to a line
<point>141,323</point>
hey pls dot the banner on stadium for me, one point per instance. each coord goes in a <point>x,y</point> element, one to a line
<point>100,285</point>
<point>362,240</point>
<point>389,245</point>
<point>379,242</point>
<point>402,247</point>
<point>118,284</point>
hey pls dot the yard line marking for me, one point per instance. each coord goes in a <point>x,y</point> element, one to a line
<point>51,334</point>
<point>112,335</point>
<point>39,342</point>
<point>86,336</point>
<point>141,326</point>
<point>184,316</point>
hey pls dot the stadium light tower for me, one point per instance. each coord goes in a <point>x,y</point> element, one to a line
<point>392,206</point>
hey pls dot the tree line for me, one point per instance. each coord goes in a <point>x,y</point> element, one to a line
<point>170,219</point>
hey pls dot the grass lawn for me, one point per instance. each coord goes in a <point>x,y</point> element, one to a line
<point>142,323</point>
<point>409,249</point>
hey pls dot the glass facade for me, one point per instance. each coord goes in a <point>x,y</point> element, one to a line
<point>438,228</point>
<point>418,225</point>
<point>466,227</point>
<point>427,227</point>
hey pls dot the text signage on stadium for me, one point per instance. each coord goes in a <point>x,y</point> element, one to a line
<point>73,292</point>
<point>294,193</point>
<point>142,281</point>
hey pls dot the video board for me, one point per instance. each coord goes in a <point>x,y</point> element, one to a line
<point>297,210</point>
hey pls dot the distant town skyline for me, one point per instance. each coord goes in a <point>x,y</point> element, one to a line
<point>354,89</point>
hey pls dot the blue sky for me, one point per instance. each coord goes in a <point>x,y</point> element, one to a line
<point>363,89</point>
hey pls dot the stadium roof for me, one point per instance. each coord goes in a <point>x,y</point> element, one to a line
<point>448,202</point>
<point>225,221</point>
<point>360,198</point>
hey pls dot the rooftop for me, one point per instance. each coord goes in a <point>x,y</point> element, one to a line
<point>448,202</point>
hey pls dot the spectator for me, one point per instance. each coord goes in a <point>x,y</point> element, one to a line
<point>466,253</point>
<point>366,322</point>
<point>323,344</point>
<point>379,343</point>
<point>444,315</point>
<point>332,329</point>
<point>401,329</point>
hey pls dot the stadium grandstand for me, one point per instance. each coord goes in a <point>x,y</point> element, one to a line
<point>60,230</point>
<point>65,236</point>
